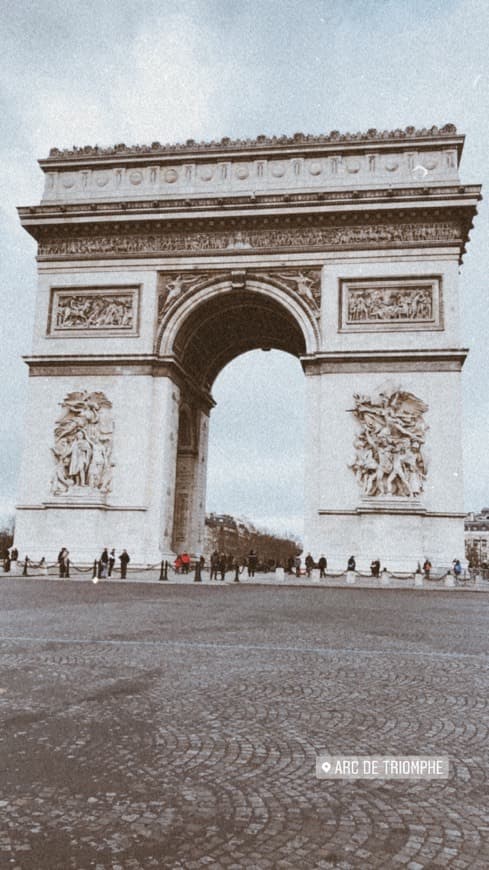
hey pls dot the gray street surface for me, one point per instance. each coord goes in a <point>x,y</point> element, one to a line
<point>148,725</point>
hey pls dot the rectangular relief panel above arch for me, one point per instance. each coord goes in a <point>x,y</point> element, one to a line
<point>94,311</point>
<point>396,304</point>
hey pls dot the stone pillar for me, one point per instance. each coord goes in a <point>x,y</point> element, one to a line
<point>190,485</point>
<point>160,483</point>
<point>344,400</point>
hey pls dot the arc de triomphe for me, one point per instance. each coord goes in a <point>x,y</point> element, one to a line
<point>158,265</point>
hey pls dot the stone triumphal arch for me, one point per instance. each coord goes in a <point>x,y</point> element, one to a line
<point>158,265</point>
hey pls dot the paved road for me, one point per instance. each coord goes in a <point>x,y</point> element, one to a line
<point>153,726</point>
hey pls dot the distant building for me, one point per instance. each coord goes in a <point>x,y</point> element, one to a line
<point>477,538</point>
<point>236,536</point>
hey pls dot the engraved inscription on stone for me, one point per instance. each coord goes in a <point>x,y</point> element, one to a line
<point>389,457</point>
<point>83,446</point>
<point>380,305</point>
<point>95,310</point>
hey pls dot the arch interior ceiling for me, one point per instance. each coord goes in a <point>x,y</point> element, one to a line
<point>224,327</point>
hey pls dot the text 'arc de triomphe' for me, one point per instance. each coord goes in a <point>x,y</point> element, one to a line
<point>158,265</point>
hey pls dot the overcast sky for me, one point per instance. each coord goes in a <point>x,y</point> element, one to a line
<point>135,71</point>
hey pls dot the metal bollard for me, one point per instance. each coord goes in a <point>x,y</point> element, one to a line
<point>24,572</point>
<point>197,575</point>
<point>236,574</point>
<point>164,570</point>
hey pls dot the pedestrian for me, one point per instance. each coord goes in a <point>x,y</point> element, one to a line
<point>457,568</point>
<point>351,564</point>
<point>185,559</point>
<point>6,562</point>
<point>214,565</point>
<point>309,562</point>
<point>297,565</point>
<point>375,567</point>
<point>322,565</point>
<point>63,562</point>
<point>222,566</point>
<point>124,560</point>
<point>178,564</point>
<point>427,568</point>
<point>111,562</point>
<point>14,554</point>
<point>43,568</point>
<point>104,563</point>
<point>252,562</point>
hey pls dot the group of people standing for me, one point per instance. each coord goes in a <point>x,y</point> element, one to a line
<point>105,565</point>
<point>220,563</point>
<point>182,563</point>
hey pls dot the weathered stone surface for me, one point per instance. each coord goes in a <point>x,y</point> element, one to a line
<point>341,250</point>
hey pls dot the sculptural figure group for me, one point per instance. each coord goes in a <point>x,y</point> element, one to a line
<point>389,457</point>
<point>94,311</point>
<point>83,445</point>
<point>413,303</point>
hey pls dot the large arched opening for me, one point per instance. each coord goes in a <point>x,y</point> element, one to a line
<point>203,333</point>
<point>256,445</point>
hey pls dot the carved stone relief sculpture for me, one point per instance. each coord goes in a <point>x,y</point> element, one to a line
<point>136,241</point>
<point>400,304</point>
<point>389,457</point>
<point>95,311</point>
<point>305,283</point>
<point>173,286</point>
<point>83,445</point>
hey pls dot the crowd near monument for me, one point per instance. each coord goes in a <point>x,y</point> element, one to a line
<point>158,265</point>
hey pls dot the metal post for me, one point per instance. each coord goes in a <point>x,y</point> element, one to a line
<point>24,572</point>
<point>197,575</point>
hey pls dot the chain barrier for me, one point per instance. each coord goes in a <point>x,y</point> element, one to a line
<point>165,568</point>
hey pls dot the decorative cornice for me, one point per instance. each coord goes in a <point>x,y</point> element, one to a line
<point>423,512</point>
<point>356,362</point>
<point>259,142</point>
<point>453,194</point>
<point>89,365</point>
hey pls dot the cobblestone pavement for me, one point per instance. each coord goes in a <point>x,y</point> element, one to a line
<point>176,726</point>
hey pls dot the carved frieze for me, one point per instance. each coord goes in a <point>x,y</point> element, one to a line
<point>136,241</point>
<point>83,446</point>
<point>381,305</point>
<point>107,311</point>
<point>390,459</point>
